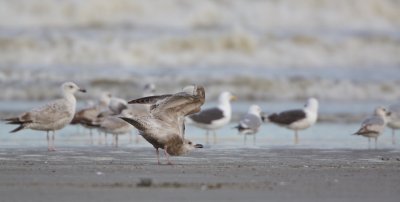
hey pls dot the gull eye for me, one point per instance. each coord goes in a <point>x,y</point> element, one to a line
<point>70,86</point>
<point>190,143</point>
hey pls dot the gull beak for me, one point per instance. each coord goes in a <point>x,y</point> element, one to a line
<point>198,146</point>
<point>82,90</point>
<point>233,98</point>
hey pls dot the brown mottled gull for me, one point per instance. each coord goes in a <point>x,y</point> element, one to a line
<point>50,117</point>
<point>163,127</point>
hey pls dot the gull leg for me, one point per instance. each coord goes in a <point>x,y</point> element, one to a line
<point>296,137</point>
<point>105,138</point>
<point>53,148</point>
<point>48,141</point>
<point>99,138</point>
<point>130,137</point>
<point>244,140</point>
<point>215,137</point>
<point>113,140</point>
<point>254,139</point>
<point>393,137</point>
<point>167,156</point>
<point>207,137</point>
<point>116,141</point>
<point>369,143</point>
<point>91,136</point>
<point>137,139</point>
<point>158,156</point>
<point>376,142</point>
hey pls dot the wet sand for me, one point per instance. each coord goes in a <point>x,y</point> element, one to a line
<point>210,174</point>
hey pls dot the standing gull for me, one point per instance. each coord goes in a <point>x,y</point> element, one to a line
<point>394,120</point>
<point>250,123</point>
<point>50,117</point>
<point>373,126</point>
<point>297,119</point>
<point>87,116</point>
<point>115,126</point>
<point>214,118</point>
<point>163,127</point>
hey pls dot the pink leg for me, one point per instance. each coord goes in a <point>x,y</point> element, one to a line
<point>167,155</point>
<point>52,148</point>
<point>158,156</point>
<point>48,141</point>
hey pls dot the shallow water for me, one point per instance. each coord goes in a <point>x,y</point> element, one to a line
<point>320,136</point>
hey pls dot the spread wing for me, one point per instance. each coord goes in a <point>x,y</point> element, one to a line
<point>152,100</point>
<point>180,105</point>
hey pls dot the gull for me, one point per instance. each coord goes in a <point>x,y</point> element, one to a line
<point>87,116</point>
<point>51,116</point>
<point>164,127</point>
<point>297,119</point>
<point>116,126</point>
<point>373,126</point>
<point>394,120</point>
<point>250,123</point>
<point>214,118</point>
<point>117,105</point>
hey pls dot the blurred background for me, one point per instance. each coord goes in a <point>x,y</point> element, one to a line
<point>280,49</point>
<point>275,53</point>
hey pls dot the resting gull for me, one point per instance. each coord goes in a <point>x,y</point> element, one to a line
<point>89,115</point>
<point>214,118</point>
<point>297,119</point>
<point>374,125</point>
<point>50,117</point>
<point>164,127</point>
<point>250,123</point>
<point>394,120</point>
<point>117,105</point>
<point>115,126</point>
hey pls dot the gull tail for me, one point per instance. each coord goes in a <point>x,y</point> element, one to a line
<point>20,127</point>
<point>13,120</point>
<point>135,123</point>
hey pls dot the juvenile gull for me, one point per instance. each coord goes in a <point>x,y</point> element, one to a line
<point>250,123</point>
<point>394,120</point>
<point>115,126</point>
<point>214,118</point>
<point>163,127</point>
<point>374,125</point>
<point>297,119</point>
<point>117,105</point>
<point>89,115</point>
<point>50,117</point>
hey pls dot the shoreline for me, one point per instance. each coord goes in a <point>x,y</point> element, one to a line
<point>98,174</point>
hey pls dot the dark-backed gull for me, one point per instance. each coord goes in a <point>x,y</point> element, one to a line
<point>297,119</point>
<point>214,118</point>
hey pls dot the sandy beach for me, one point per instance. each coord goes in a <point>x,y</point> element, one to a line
<point>210,174</point>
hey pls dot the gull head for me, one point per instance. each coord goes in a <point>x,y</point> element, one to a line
<point>256,110</point>
<point>189,146</point>
<point>226,97</point>
<point>382,112</point>
<point>312,104</point>
<point>71,88</point>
